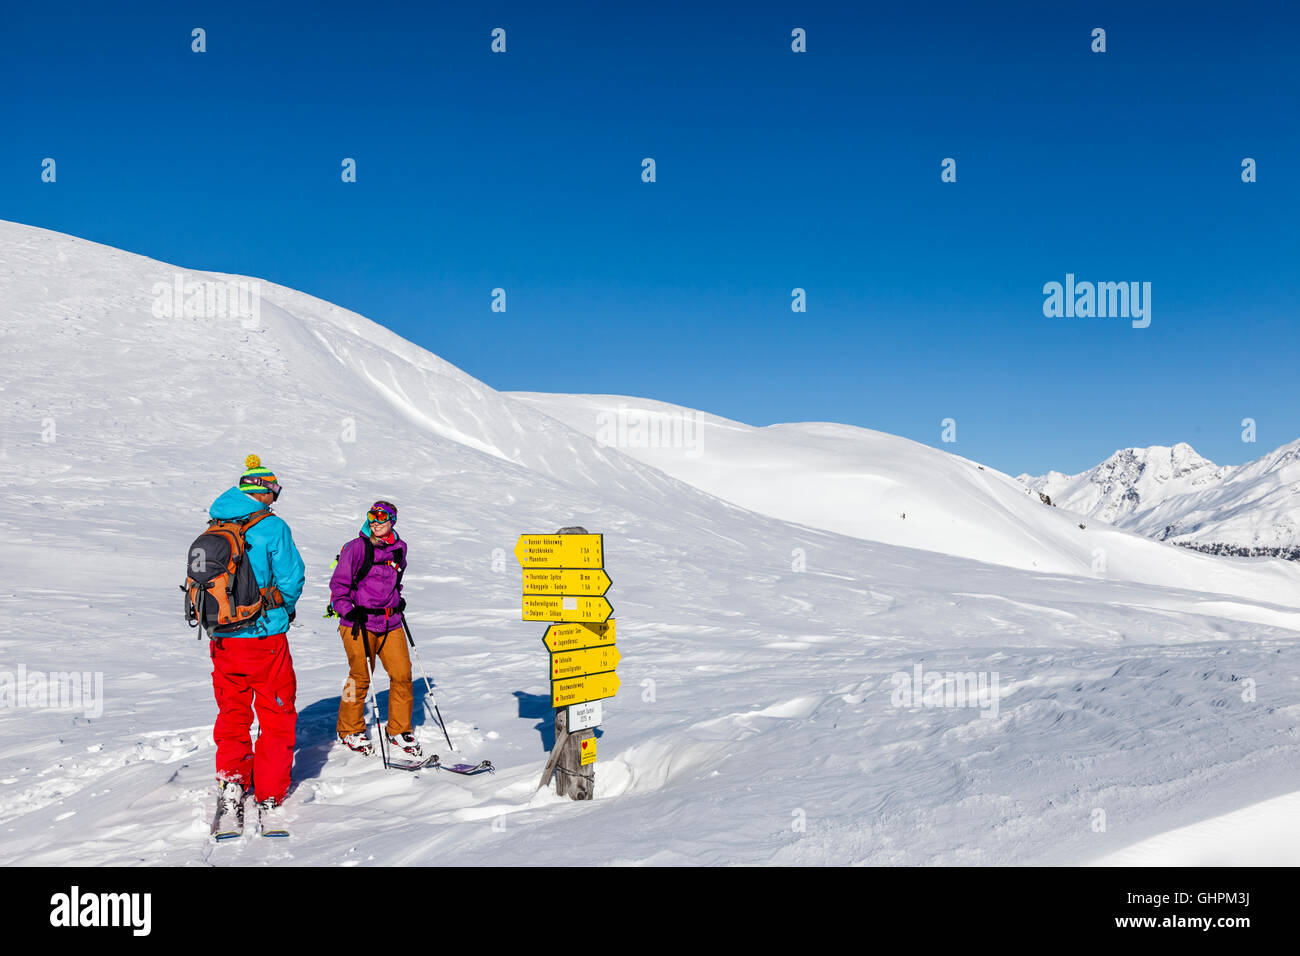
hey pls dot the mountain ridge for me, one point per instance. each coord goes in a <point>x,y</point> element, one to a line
<point>1172,493</point>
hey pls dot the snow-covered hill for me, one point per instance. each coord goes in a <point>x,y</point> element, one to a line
<point>1174,494</point>
<point>760,718</point>
<point>882,488</point>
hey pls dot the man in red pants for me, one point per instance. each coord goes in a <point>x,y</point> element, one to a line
<point>251,668</point>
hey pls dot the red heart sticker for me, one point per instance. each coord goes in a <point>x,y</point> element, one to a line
<point>584,745</point>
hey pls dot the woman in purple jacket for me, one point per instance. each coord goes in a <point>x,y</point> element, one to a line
<point>366,592</point>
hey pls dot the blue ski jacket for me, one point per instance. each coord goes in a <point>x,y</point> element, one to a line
<point>273,557</point>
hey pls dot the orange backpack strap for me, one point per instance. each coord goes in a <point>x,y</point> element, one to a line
<point>239,525</point>
<point>236,528</point>
<point>254,518</point>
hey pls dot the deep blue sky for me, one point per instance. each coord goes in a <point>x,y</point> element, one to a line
<point>775,170</point>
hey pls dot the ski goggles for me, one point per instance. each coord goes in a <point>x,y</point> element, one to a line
<point>272,486</point>
<point>379,516</point>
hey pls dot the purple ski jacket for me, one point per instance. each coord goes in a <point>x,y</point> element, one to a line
<point>378,589</point>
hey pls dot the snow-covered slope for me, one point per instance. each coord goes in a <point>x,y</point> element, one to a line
<point>1175,494</point>
<point>882,488</point>
<point>759,719</point>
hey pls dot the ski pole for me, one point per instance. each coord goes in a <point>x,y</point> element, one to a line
<point>374,698</point>
<point>427,686</point>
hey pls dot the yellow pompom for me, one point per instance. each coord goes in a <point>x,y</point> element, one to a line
<point>252,461</point>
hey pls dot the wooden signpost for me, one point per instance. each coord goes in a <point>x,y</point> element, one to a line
<point>564,582</point>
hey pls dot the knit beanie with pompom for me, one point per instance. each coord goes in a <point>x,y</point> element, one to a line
<point>256,478</point>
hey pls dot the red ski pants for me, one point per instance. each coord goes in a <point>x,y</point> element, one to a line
<point>255,673</point>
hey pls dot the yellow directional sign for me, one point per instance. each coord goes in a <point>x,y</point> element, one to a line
<point>579,690</point>
<point>574,581</point>
<point>593,660</point>
<point>590,610</point>
<point>588,751</point>
<point>573,637</point>
<point>560,550</point>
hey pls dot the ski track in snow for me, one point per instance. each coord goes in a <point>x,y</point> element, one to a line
<point>755,722</point>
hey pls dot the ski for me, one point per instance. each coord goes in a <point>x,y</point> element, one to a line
<point>465,768</point>
<point>227,826</point>
<point>428,761</point>
<point>432,761</point>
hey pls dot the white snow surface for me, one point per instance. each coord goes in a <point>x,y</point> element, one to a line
<point>758,720</point>
<point>1262,834</point>
<point>1174,494</point>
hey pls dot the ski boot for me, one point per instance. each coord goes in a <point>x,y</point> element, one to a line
<point>229,822</point>
<point>407,743</point>
<point>358,742</point>
<point>270,818</point>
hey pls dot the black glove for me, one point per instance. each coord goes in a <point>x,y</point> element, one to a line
<point>357,615</point>
<point>292,615</point>
<point>401,605</point>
